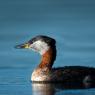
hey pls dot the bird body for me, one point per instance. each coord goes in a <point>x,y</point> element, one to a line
<point>44,72</point>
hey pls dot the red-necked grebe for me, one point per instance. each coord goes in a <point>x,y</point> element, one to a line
<point>44,72</point>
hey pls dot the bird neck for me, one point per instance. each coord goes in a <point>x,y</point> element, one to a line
<point>48,58</point>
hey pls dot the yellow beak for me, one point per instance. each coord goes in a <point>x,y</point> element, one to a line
<point>26,45</point>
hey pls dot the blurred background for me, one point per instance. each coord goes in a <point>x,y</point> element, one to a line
<point>70,22</point>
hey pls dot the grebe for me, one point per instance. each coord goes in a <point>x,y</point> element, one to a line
<point>44,72</point>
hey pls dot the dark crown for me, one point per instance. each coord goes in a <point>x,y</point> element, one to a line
<point>50,41</point>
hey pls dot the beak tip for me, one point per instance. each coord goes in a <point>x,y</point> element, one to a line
<point>17,47</point>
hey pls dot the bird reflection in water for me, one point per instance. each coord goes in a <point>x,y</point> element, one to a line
<point>43,89</point>
<point>52,88</point>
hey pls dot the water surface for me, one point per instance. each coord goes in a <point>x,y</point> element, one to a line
<point>70,22</point>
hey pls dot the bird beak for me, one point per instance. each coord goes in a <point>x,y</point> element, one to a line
<point>22,46</point>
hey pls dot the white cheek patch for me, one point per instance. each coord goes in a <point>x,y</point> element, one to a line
<point>40,47</point>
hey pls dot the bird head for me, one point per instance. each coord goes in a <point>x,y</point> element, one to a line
<point>39,44</point>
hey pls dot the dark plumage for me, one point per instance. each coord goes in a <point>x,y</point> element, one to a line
<point>50,41</point>
<point>76,74</point>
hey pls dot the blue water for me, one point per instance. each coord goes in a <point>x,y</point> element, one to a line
<point>70,22</point>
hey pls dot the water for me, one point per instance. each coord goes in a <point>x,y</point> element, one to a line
<point>70,22</point>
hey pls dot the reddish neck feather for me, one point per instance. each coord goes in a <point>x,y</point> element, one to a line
<point>48,59</point>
